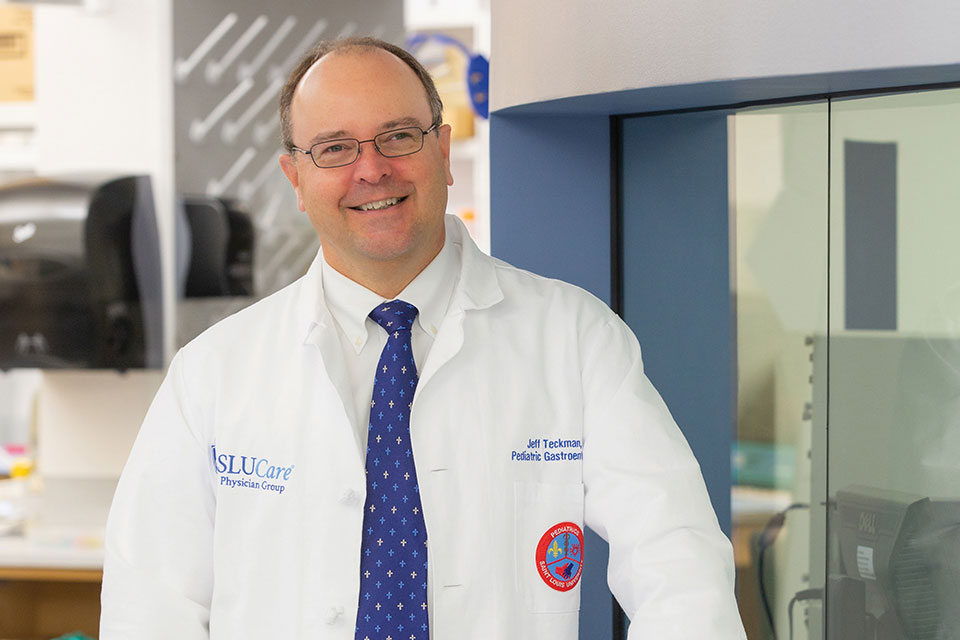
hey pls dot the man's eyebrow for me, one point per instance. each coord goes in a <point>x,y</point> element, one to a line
<point>399,123</point>
<point>328,135</point>
<point>389,125</point>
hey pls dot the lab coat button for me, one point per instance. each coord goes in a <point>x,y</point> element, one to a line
<point>332,614</point>
<point>348,496</point>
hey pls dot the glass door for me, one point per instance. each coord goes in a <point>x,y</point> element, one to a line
<point>893,396</point>
<point>778,211</point>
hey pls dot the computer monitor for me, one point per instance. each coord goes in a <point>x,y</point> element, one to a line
<point>897,569</point>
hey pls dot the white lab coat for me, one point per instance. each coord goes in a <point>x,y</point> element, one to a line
<point>517,358</point>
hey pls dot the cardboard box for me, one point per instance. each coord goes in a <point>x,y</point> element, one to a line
<point>16,54</point>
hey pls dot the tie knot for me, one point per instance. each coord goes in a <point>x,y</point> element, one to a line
<point>395,315</point>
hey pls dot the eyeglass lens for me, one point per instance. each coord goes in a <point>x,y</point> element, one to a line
<point>399,142</point>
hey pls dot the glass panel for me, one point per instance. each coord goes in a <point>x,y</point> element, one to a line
<point>894,366</point>
<point>778,193</point>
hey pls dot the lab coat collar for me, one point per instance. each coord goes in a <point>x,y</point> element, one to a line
<point>311,306</point>
<point>477,286</point>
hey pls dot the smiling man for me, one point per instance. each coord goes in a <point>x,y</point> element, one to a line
<point>407,442</point>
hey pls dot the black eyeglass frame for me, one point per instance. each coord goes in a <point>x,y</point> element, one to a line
<point>309,152</point>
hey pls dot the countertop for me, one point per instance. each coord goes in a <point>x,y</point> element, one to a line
<point>64,524</point>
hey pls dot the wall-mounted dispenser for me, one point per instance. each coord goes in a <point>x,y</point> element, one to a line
<point>80,279</point>
<point>214,262</point>
<point>219,257</point>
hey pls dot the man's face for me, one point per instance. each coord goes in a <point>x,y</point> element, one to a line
<point>359,94</point>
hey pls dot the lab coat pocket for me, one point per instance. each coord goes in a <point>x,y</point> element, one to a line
<point>548,545</point>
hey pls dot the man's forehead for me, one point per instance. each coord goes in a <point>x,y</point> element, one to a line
<point>333,59</point>
<point>356,63</point>
<point>371,78</point>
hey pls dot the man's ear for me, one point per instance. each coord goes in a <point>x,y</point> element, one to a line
<point>444,139</point>
<point>289,166</point>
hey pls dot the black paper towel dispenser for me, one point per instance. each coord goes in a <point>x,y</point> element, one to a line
<point>218,257</point>
<point>214,267</point>
<point>80,274</point>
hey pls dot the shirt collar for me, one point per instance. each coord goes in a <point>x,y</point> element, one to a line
<point>349,302</point>
<point>473,282</point>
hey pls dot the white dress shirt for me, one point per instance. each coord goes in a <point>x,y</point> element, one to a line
<point>362,339</point>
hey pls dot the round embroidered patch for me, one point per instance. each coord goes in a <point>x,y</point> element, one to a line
<point>560,556</point>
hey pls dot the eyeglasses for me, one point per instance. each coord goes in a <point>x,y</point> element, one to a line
<point>395,143</point>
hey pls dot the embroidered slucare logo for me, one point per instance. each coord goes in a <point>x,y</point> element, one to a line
<point>250,472</point>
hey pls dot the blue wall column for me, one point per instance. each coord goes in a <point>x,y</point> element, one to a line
<point>550,197</point>
<point>676,279</point>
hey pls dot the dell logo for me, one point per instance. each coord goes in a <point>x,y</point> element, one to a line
<point>27,344</point>
<point>23,232</point>
<point>867,523</point>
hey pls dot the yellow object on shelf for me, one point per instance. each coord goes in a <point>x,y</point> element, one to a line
<point>449,78</point>
<point>21,468</point>
<point>16,54</point>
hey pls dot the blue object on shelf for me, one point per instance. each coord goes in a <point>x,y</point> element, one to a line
<point>478,69</point>
<point>478,82</point>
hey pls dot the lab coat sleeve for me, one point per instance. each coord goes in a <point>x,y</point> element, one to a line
<point>158,565</point>
<point>671,568</point>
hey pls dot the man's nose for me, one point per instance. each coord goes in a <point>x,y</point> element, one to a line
<point>371,166</point>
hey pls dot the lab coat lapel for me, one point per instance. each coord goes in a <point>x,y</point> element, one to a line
<point>477,288</point>
<point>323,336</point>
<point>448,342</point>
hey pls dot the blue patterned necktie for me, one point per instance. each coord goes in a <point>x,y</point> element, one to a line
<point>393,561</point>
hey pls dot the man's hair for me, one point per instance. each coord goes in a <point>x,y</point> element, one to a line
<point>347,44</point>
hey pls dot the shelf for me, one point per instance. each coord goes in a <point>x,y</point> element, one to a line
<point>464,150</point>
<point>420,15</point>
<point>18,115</point>
<point>17,159</point>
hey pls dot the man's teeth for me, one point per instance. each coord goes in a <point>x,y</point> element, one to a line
<point>380,204</point>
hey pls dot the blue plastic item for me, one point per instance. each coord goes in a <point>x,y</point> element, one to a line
<point>478,69</point>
